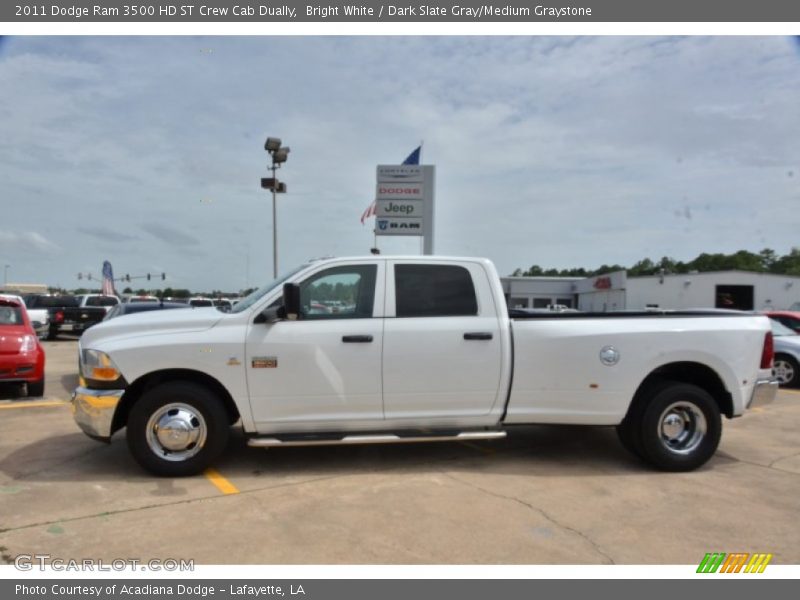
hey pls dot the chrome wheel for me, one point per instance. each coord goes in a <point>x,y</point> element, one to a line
<point>784,371</point>
<point>682,427</point>
<point>176,432</point>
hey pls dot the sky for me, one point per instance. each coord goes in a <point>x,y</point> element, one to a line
<point>561,152</point>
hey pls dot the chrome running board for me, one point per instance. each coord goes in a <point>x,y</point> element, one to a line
<point>271,442</point>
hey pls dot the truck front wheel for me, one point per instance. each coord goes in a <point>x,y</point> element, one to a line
<point>177,428</point>
<point>679,427</point>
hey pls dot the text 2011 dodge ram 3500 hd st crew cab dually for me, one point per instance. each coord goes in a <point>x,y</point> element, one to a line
<point>420,349</point>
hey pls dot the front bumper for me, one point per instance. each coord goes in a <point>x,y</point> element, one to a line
<point>764,392</point>
<point>93,410</point>
<point>22,368</point>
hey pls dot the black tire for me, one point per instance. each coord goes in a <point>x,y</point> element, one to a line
<point>626,435</point>
<point>787,371</point>
<point>629,430</point>
<point>679,427</point>
<point>36,388</point>
<point>52,333</point>
<point>193,413</point>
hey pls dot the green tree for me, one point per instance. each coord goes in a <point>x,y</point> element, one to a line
<point>769,259</point>
<point>790,263</point>
<point>643,267</point>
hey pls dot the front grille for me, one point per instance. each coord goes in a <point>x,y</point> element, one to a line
<point>24,369</point>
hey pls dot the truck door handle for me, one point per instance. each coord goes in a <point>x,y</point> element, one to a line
<point>357,339</point>
<point>478,335</point>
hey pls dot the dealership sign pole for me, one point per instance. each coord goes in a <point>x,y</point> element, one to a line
<point>404,202</point>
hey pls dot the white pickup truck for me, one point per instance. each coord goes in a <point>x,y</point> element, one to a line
<point>421,349</point>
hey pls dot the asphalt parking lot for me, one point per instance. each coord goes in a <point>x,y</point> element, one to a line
<point>564,495</point>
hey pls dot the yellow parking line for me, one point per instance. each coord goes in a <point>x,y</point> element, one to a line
<point>222,484</point>
<point>35,404</point>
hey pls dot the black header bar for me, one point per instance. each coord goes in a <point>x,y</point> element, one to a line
<point>379,11</point>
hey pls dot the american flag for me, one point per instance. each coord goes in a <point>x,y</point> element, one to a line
<point>370,212</point>
<point>108,280</point>
<point>411,159</point>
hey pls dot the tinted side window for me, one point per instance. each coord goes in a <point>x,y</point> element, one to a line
<point>339,293</point>
<point>434,291</point>
<point>101,301</point>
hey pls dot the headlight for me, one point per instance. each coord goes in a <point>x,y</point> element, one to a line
<point>27,344</point>
<point>98,366</point>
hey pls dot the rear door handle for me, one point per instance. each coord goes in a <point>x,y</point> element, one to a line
<point>357,339</point>
<point>478,335</point>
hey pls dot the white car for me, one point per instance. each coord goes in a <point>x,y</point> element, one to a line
<point>106,301</point>
<point>787,354</point>
<point>422,349</point>
<point>201,301</point>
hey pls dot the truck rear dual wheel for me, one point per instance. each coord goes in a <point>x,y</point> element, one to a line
<point>674,426</point>
<point>177,428</point>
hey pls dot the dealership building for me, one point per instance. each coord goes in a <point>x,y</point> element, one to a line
<point>742,290</point>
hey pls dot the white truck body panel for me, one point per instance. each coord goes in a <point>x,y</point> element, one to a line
<point>559,377</point>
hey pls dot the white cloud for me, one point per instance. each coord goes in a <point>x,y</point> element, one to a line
<point>14,243</point>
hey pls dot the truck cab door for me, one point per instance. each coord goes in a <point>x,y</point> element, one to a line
<point>324,368</point>
<point>443,353</point>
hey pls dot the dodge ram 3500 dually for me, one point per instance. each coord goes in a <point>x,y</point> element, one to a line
<point>420,349</point>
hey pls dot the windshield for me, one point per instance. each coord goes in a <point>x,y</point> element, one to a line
<point>251,299</point>
<point>779,329</point>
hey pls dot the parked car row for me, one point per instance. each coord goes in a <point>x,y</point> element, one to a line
<point>65,313</point>
<point>39,317</point>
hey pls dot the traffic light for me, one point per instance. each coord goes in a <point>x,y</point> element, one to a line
<point>163,276</point>
<point>127,277</point>
<point>148,277</point>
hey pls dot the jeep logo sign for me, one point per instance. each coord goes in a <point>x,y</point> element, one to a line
<point>398,208</point>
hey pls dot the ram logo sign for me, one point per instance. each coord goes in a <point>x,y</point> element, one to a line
<point>738,562</point>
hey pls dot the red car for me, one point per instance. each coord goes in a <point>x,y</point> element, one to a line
<point>787,317</point>
<point>21,354</point>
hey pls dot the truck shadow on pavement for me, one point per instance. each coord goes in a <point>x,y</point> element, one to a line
<point>543,450</point>
<point>546,450</point>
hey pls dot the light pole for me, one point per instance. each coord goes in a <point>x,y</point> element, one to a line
<point>279,155</point>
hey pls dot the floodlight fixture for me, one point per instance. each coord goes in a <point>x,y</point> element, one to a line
<point>280,155</point>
